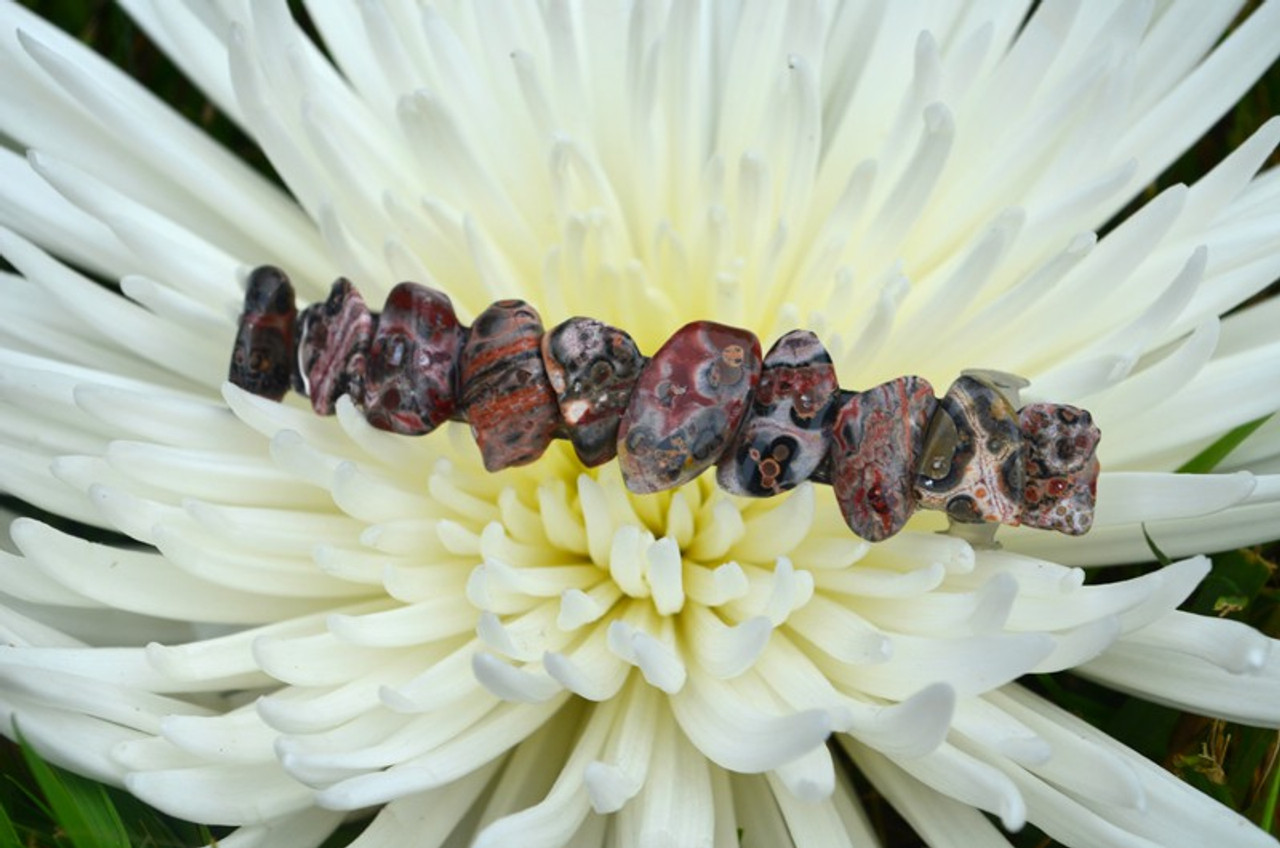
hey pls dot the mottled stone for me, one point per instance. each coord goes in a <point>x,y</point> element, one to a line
<point>592,368</point>
<point>505,392</point>
<point>687,405</point>
<point>333,347</point>
<point>262,356</point>
<point>972,465</point>
<point>877,440</point>
<point>411,378</point>
<point>1059,444</point>
<point>787,431</point>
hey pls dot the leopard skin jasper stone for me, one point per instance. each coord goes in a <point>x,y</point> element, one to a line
<point>687,405</point>
<point>411,376</point>
<point>592,368</point>
<point>973,466</point>
<point>877,441</point>
<point>263,354</point>
<point>505,392</point>
<point>333,347</point>
<point>1059,443</point>
<point>787,431</point>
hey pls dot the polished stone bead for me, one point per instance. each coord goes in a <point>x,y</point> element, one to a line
<point>787,431</point>
<point>972,465</point>
<point>877,441</point>
<point>592,368</point>
<point>1059,442</point>
<point>411,377</point>
<point>333,347</point>
<point>505,392</point>
<point>262,355</point>
<point>687,405</point>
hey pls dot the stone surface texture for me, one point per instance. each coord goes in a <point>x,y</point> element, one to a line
<point>877,441</point>
<point>687,405</point>
<point>506,395</point>
<point>263,352</point>
<point>333,347</point>
<point>1059,442</point>
<point>972,465</point>
<point>592,368</point>
<point>787,431</point>
<point>411,377</point>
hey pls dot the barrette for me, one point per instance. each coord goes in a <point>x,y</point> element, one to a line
<point>706,397</point>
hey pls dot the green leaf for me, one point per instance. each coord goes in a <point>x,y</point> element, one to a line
<point>1212,456</point>
<point>80,807</point>
<point>1160,555</point>
<point>8,836</point>
<point>1267,818</point>
<point>1143,726</point>
<point>1237,578</point>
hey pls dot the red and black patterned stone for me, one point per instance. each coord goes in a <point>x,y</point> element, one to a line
<point>592,368</point>
<point>687,405</point>
<point>973,465</point>
<point>877,440</point>
<point>411,378</point>
<point>1059,442</point>
<point>505,392</point>
<point>262,356</point>
<point>787,433</point>
<point>333,347</point>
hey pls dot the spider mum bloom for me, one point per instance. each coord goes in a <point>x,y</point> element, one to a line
<point>305,619</point>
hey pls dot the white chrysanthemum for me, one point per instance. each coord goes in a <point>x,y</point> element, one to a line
<point>318,618</point>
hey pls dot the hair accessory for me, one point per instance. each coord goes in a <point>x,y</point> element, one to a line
<point>706,397</point>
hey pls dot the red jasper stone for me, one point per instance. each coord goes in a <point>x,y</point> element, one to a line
<point>973,460</point>
<point>262,356</point>
<point>687,405</point>
<point>876,444</point>
<point>592,368</point>
<point>787,433</point>
<point>411,376</point>
<point>333,347</point>
<point>505,391</point>
<point>1059,442</point>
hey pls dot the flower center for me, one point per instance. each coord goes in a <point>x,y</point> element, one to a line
<point>690,580</point>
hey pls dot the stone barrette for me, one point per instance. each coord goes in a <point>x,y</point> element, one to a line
<point>706,397</point>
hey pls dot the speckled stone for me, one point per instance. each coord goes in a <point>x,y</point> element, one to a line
<point>972,466</point>
<point>262,356</point>
<point>788,429</point>
<point>877,441</point>
<point>592,368</point>
<point>1059,443</point>
<point>333,347</point>
<point>687,405</point>
<point>411,377</point>
<point>505,392</point>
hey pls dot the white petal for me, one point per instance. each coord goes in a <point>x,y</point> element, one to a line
<point>743,736</point>
<point>614,780</point>
<point>307,829</point>
<point>510,683</point>
<point>464,753</point>
<point>112,576</point>
<point>1175,813</point>
<point>427,818</point>
<point>227,794</point>
<point>969,664</point>
<point>726,651</point>
<point>675,807</point>
<point>959,775</point>
<point>940,819</point>
<point>554,820</point>
<point>1195,681</point>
